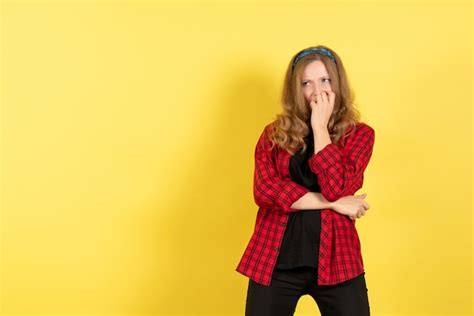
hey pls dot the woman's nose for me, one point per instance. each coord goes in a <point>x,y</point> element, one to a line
<point>318,90</point>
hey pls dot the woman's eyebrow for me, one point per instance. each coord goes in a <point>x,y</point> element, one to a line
<point>319,78</point>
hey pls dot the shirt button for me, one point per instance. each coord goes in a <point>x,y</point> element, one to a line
<point>275,248</point>
<point>282,223</point>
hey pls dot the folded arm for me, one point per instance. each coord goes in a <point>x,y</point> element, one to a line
<point>341,172</point>
<point>312,201</point>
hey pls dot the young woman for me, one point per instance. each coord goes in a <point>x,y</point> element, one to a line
<point>309,162</point>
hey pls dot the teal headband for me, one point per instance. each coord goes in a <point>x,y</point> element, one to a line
<point>309,51</point>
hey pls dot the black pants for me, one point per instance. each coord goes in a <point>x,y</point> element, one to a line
<point>348,298</point>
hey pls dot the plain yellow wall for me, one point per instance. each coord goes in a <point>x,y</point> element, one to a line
<point>128,135</point>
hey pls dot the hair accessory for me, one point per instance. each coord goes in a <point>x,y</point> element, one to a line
<point>308,51</point>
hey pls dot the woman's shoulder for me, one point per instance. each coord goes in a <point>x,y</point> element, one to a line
<point>354,132</point>
<point>361,127</point>
<point>264,138</point>
<point>269,125</point>
<point>268,128</point>
<point>364,127</point>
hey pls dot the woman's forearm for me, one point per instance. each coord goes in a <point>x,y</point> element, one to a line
<point>312,200</point>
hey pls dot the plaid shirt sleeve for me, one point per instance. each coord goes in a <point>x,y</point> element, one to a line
<point>341,173</point>
<point>269,189</point>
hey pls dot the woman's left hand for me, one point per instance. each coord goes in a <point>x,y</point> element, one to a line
<point>321,109</point>
<point>353,206</point>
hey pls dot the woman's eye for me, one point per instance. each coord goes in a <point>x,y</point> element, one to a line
<point>305,82</point>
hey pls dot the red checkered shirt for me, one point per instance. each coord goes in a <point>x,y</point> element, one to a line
<point>340,172</point>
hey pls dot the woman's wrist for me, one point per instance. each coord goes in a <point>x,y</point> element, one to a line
<point>331,205</point>
<point>324,202</point>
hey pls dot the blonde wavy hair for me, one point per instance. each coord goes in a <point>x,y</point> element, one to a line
<point>294,123</point>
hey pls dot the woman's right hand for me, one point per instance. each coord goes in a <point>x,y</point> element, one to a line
<point>353,206</point>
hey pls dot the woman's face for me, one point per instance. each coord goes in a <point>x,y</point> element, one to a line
<point>314,80</point>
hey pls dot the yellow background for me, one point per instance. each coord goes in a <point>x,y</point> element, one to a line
<point>128,133</point>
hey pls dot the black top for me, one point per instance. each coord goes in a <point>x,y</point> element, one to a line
<point>300,245</point>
